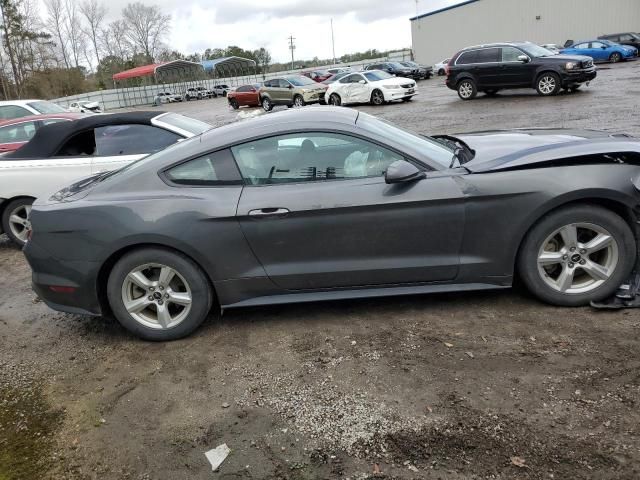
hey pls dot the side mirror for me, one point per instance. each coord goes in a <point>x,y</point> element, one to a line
<point>523,58</point>
<point>290,87</point>
<point>402,171</point>
<point>362,82</point>
<point>604,47</point>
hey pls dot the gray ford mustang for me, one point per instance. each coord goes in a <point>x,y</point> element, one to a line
<point>329,203</point>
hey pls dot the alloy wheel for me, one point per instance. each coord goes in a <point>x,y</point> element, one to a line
<point>156,296</point>
<point>334,100</point>
<point>465,89</point>
<point>19,222</point>
<point>298,101</point>
<point>577,258</point>
<point>377,98</point>
<point>615,57</point>
<point>547,85</point>
<point>266,104</point>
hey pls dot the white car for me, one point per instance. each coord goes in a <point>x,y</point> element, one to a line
<point>441,68</point>
<point>65,152</point>
<point>85,107</point>
<point>23,108</point>
<point>167,97</point>
<point>222,89</point>
<point>372,86</point>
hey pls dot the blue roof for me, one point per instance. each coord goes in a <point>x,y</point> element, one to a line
<point>210,65</point>
<point>451,7</point>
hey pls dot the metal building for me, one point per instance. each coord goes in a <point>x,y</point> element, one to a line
<point>438,35</point>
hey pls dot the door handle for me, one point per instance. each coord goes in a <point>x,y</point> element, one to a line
<point>268,212</point>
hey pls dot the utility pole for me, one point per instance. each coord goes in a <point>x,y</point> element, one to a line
<point>292,47</point>
<point>333,43</point>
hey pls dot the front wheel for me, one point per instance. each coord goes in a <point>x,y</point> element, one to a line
<point>158,294</point>
<point>234,104</point>
<point>15,220</point>
<point>615,57</point>
<point>298,101</point>
<point>577,255</point>
<point>548,84</point>
<point>467,89</point>
<point>441,72</point>
<point>377,97</point>
<point>266,104</point>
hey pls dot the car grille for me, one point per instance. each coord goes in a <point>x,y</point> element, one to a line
<point>587,64</point>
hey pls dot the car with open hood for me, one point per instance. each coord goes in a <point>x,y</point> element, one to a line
<point>63,152</point>
<point>330,203</point>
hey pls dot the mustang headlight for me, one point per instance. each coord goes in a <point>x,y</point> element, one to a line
<point>571,65</point>
<point>391,86</point>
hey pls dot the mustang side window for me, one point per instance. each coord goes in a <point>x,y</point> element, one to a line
<point>213,169</point>
<point>310,157</point>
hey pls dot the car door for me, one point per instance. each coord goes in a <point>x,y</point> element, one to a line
<point>119,145</point>
<point>582,49</point>
<point>489,67</point>
<point>359,89</point>
<point>599,51</point>
<point>515,72</point>
<point>318,214</point>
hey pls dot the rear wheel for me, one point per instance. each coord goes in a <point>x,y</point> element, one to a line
<point>158,294</point>
<point>15,220</point>
<point>266,104</point>
<point>548,84</point>
<point>615,57</point>
<point>377,97</point>
<point>576,255</point>
<point>334,99</point>
<point>467,89</point>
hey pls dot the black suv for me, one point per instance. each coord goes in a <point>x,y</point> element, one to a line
<point>490,68</point>
<point>394,68</point>
<point>629,38</point>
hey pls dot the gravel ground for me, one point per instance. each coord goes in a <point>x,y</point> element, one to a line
<point>488,385</point>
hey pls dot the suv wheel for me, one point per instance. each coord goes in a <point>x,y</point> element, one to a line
<point>576,255</point>
<point>467,89</point>
<point>15,220</point>
<point>266,104</point>
<point>158,294</point>
<point>548,84</point>
<point>615,57</point>
<point>298,101</point>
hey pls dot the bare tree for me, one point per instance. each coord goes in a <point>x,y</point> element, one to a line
<point>146,27</point>
<point>93,13</point>
<point>74,31</point>
<point>55,23</point>
<point>113,40</point>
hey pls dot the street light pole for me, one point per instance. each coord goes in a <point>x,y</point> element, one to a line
<point>292,47</point>
<point>333,43</point>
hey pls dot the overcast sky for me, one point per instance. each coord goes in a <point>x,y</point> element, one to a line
<point>358,24</point>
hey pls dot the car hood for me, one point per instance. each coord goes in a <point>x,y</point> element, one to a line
<point>565,57</point>
<point>506,149</point>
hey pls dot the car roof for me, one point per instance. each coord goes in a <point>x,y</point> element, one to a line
<point>497,44</point>
<point>50,138</point>
<point>32,118</point>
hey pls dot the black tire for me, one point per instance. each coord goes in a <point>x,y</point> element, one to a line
<point>548,84</point>
<point>467,89</point>
<point>298,101</point>
<point>234,104</point>
<point>615,57</point>
<point>377,97</point>
<point>266,103</point>
<point>527,263</point>
<point>491,92</point>
<point>335,100</point>
<point>18,233</point>
<point>224,93</point>
<point>441,72</point>
<point>201,294</point>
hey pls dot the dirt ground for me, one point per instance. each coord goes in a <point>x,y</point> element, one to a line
<point>490,385</point>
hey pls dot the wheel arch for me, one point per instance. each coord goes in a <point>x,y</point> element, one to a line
<point>546,69</point>
<point>616,206</point>
<point>107,266</point>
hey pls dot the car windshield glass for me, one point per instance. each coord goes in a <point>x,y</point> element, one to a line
<point>397,65</point>
<point>185,123</point>
<point>635,36</point>
<point>427,146</point>
<point>377,75</point>
<point>536,50</point>
<point>46,107</point>
<point>300,81</point>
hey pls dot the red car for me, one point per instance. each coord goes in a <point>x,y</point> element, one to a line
<point>246,95</point>
<point>317,75</point>
<point>16,132</point>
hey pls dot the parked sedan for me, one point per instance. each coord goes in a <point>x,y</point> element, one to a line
<point>393,68</point>
<point>63,152</point>
<point>419,71</point>
<point>23,108</point>
<point>602,51</point>
<point>327,204</point>
<point>18,131</point>
<point>375,87</point>
<point>245,95</point>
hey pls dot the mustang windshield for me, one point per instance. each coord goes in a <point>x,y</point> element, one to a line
<point>429,147</point>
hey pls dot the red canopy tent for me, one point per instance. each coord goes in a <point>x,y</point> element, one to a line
<point>143,71</point>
